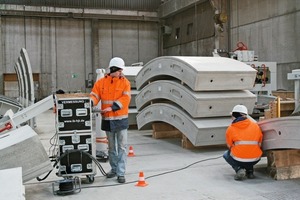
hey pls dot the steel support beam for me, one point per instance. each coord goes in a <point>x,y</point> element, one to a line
<point>78,15</point>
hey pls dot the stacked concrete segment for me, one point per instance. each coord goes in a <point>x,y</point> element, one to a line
<point>22,148</point>
<point>281,133</point>
<point>199,73</point>
<point>197,104</point>
<point>194,94</point>
<point>130,73</point>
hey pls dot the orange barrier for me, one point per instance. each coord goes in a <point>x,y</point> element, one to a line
<point>131,153</point>
<point>141,182</point>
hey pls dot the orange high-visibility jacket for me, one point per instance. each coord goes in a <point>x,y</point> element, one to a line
<point>244,139</point>
<point>112,90</point>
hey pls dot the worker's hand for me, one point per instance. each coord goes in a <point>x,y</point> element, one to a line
<point>106,110</point>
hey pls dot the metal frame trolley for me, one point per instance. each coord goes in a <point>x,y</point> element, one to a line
<point>76,141</point>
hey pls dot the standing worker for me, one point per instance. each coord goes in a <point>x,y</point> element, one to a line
<point>243,138</point>
<point>114,92</point>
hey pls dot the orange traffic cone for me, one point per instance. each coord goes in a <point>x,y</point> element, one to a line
<point>131,153</point>
<point>141,182</point>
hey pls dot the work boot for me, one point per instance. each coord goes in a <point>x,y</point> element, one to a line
<point>240,174</point>
<point>250,174</point>
<point>121,179</point>
<point>110,174</point>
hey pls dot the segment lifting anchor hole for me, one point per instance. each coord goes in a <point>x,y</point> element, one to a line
<point>242,79</point>
<point>211,80</point>
<point>279,133</point>
<point>210,107</point>
<point>212,136</point>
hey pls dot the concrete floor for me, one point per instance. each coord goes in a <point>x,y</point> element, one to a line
<point>171,172</point>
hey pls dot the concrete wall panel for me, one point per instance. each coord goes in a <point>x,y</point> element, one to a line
<point>125,41</point>
<point>105,43</point>
<point>148,42</point>
<point>189,49</point>
<point>46,63</point>
<point>271,29</point>
<point>174,51</point>
<point>249,11</point>
<point>133,41</point>
<point>14,37</point>
<point>70,55</point>
<point>33,37</point>
<point>190,25</point>
<point>87,48</point>
<point>206,46</point>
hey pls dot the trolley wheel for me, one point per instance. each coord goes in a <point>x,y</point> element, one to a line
<point>90,178</point>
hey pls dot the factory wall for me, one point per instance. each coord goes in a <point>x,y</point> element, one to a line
<point>66,52</point>
<point>271,28</point>
<point>190,32</point>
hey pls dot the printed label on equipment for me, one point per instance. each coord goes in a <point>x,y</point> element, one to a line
<point>63,168</point>
<point>62,142</point>
<point>88,140</point>
<point>87,123</point>
<point>60,106</point>
<point>81,112</point>
<point>83,147</point>
<point>75,139</point>
<point>61,124</point>
<point>76,168</point>
<point>67,147</point>
<point>66,113</point>
<point>89,166</point>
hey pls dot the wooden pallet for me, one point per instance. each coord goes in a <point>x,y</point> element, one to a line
<point>286,109</point>
<point>283,164</point>
<point>164,130</point>
<point>285,95</point>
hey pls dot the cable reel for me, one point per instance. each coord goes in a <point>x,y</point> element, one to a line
<point>67,186</point>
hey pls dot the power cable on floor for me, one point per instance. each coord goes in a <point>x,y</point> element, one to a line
<point>160,174</point>
<point>110,185</point>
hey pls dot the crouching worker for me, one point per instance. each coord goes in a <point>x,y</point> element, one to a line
<point>243,138</point>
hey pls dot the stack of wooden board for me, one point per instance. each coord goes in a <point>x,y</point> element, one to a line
<point>284,164</point>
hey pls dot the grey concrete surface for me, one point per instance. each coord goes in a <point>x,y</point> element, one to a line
<point>171,172</point>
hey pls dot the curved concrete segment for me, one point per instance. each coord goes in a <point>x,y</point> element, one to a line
<point>281,133</point>
<point>7,103</point>
<point>199,73</point>
<point>197,104</point>
<point>201,131</point>
<point>131,73</point>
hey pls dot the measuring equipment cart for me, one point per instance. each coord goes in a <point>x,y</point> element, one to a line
<point>75,140</point>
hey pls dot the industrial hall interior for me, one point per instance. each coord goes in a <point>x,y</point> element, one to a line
<point>150,99</point>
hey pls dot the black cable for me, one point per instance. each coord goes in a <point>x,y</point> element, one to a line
<point>104,173</point>
<point>160,174</point>
<point>41,179</point>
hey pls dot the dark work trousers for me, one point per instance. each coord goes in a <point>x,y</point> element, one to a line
<point>236,165</point>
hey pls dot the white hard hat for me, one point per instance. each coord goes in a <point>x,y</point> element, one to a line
<point>117,62</point>
<point>240,109</point>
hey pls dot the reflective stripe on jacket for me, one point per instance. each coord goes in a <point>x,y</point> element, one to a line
<point>112,91</point>
<point>244,139</point>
